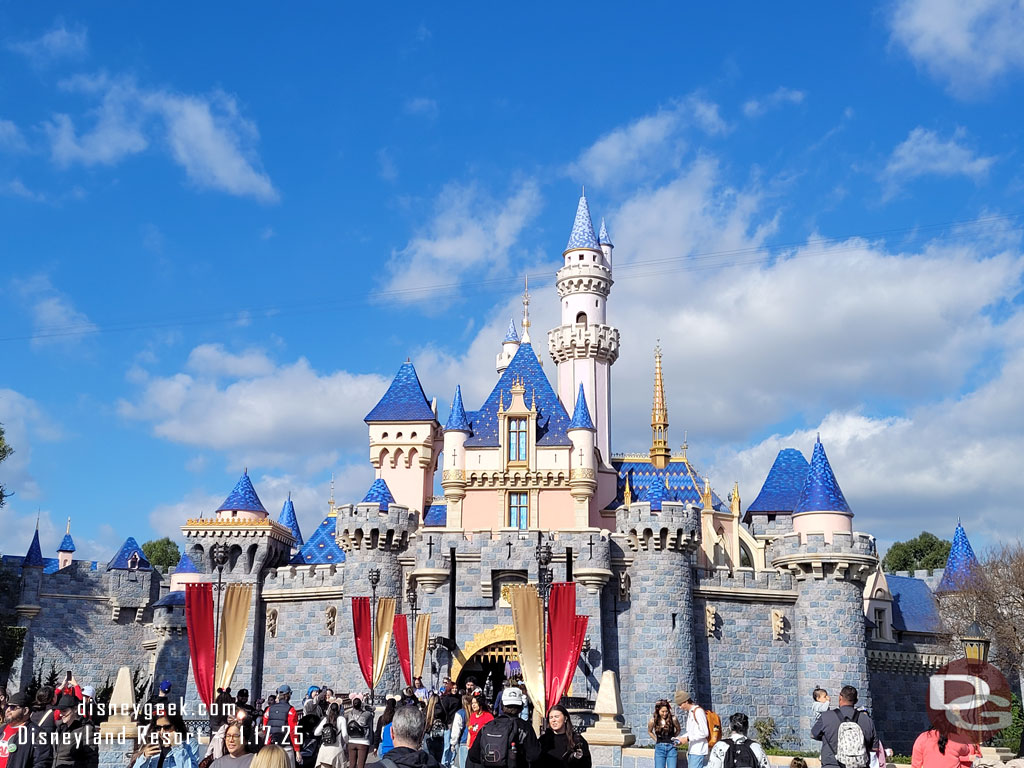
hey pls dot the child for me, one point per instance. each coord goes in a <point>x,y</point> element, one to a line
<point>822,703</point>
<point>797,762</point>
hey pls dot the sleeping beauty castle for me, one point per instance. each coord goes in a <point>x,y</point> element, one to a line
<point>748,606</point>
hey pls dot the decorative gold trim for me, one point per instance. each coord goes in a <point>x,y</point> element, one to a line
<point>502,633</point>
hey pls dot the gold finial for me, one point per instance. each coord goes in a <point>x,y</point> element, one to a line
<point>627,493</point>
<point>735,499</point>
<point>660,452</point>
<point>68,529</point>
<point>332,489</point>
<point>706,496</point>
<point>526,308</point>
<point>501,401</point>
<point>533,399</point>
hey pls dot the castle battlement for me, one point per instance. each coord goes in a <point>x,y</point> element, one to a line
<point>851,555</point>
<point>675,526</point>
<point>744,579</point>
<point>367,526</point>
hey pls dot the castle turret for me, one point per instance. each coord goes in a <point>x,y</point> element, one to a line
<point>606,244</point>
<point>584,347</point>
<point>509,346</point>
<point>291,522</point>
<point>66,548</point>
<point>960,565</point>
<point>830,564</point>
<point>453,478</point>
<point>582,476</point>
<point>405,438</point>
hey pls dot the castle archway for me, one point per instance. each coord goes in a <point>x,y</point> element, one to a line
<point>485,655</point>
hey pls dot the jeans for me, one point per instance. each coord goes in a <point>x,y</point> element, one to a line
<point>665,755</point>
<point>696,761</point>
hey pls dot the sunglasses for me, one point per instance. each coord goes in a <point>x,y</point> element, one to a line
<point>164,727</point>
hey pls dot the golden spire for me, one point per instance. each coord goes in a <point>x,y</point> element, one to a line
<point>735,500</point>
<point>526,310</point>
<point>660,453</point>
<point>627,493</point>
<point>706,495</point>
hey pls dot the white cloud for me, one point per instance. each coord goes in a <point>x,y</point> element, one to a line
<point>470,231</point>
<point>61,42</point>
<point>214,361</point>
<point>966,43</point>
<point>11,139</point>
<point>705,116</point>
<point>924,153</point>
<point>17,188</point>
<point>206,135</point>
<point>779,97</point>
<point>422,107</point>
<point>24,423</point>
<point>386,167</point>
<point>55,319</point>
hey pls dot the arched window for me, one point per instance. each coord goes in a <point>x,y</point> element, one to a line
<point>746,559</point>
<point>581,318</point>
<point>517,439</point>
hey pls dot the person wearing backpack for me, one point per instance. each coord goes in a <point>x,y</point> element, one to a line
<point>714,728</point>
<point>329,731</point>
<point>407,733</point>
<point>847,736</point>
<point>695,730</point>
<point>738,751</point>
<point>507,741</point>
<point>357,731</point>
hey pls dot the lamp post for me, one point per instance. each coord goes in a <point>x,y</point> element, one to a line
<point>434,670</point>
<point>544,586</point>
<point>976,645</point>
<point>220,555</point>
<point>374,578</point>
<point>410,597</point>
<point>586,663</point>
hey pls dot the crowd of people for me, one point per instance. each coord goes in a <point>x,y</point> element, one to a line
<point>422,728</point>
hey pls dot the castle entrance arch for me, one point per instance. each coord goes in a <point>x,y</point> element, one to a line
<point>485,657</point>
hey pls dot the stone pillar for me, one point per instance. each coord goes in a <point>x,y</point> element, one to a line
<point>119,734</point>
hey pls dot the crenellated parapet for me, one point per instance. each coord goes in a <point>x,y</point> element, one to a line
<point>813,555</point>
<point>367,527</point>
<point>581,341</point>
<point>676,527</point>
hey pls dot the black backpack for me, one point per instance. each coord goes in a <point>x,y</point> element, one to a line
<point>356,730</point>
<point>739,755</point>
<point>329,734</point>
<point>498,743</point>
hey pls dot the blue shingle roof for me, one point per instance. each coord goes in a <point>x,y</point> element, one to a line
<point>581,414</point>
<point>679,477</point>
<point>185,565</point>
<point>436,514</point>
<point>67,544</point>
<point>511,334</point>
<point>380,493</point>
<point>552,420</point>
<point>34,556</point>
<point>120,561</point>
<point>656,493</point>
<point>457,419</point>
<point>821,492</point>
<point>582,235</point>
<point>290,521</point>
<point>176,597</point>
<point>321,548</point>
<point>404,400</point>
<point>603,237</point>
<point>960,564</point>
<point>914,608</point>
<point>782,487</point>
<point>243,498</point>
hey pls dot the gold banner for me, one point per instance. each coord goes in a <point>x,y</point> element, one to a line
<point>419,650</point>
<point>528,622</point>
<point>382,636</point>
<point>234,622</point>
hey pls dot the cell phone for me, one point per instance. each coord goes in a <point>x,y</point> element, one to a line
<point>68,678</point>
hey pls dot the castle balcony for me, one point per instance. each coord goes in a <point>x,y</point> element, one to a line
<point>584,340</point>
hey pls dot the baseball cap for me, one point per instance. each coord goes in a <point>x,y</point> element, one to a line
<point>165,686</point>
<point>284,689</point>
<point>88,690</point>
<point>67,702</point>
<point>512,697</point>
<point>20,699</point>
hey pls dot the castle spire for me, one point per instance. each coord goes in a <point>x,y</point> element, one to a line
<point>526,310</point>
<point>582,235</point>
<point>660,453</point>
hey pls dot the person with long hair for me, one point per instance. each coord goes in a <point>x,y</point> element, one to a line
<point>382,743</point>
<point>560,745</point>
<point>357,733</point>
<point>664,729</point>
<point>270,756</point>
<point>933,749</point>
<point>167,744</point>
<point>433,737</point>
<point>479,716</point>
<point>329,732</point>
<point>458,745</point>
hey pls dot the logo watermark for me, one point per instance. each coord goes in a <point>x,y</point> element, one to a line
<point>969,701</point>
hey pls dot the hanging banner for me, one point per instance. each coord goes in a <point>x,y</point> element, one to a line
<point>199,621</point>
<point>361,630</point>
<point>422,639</point>
<point>382,636</point>
<point>401,628</point>
<point>527,621</point>
<point>579,633</point>
<point>234,623</point>
<point>561,622</point>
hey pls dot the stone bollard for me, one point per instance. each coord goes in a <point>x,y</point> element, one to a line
<point>608,736</point>
<point>119,734</point>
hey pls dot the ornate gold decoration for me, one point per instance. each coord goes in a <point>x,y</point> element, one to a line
<point>584,473</point>
<point>627,494</point>
<point>453,474</point>
<point>660,453</point>
<point>500,634</point>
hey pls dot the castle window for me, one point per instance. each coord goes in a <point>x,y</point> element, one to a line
<point>581,318</point>
<point>518,510</point>
<point>879,631</point>
<point>746,561</point>
<point>517,439</point>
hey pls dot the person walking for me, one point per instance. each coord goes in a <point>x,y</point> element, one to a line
<point>270,756</point>
<point>664,731</point>
<point>330,733</point>
<point>933,749</point>
<point>281,722</point>
<point>507,741</point>
<point>382,743</point>
<point>695,730</point>
<point>560,745</point>
<point>236,754</point>
<point>22,745</point>
<point>738,751</point>
<point>407,733</point>
<point>458,735</point>
<point>479,716</point>
<point>433,738</point>
<point>357,733</point>
<point>847,736</point>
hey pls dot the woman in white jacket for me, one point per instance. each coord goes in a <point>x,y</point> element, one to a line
<point>331,731</point>
<point>458,747</point>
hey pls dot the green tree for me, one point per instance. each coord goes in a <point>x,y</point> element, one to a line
<point>5,451</point>
<point>926,551</point>
<point>162,552</point>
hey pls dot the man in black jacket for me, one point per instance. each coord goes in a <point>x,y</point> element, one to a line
<point>74,742</point>
<point>21,741</point>
<point>407,734</point>
<point>826,729</point>
<point>509,733</point>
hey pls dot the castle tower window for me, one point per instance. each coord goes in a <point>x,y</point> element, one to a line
<point>581,318</point>
<point>517,440</point>
<point>518,510</point>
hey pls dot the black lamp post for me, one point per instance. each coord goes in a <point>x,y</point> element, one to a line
<point>434,669</point>
<point>374,578</point>
<point>976,645</point>
<point>586,663</point>
<point>220,555</point>
<point>544,586</point>
<point>411,598</point>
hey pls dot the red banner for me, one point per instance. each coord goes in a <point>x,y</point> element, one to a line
<point>199,620</point>
<point>361,628</point>
<point>401,632</point>
<point>579,633</point>
<point>560,662</point>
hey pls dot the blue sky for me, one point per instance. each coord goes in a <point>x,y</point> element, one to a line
<point>225,230</point>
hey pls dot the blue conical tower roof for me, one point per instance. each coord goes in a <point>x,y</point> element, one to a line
<point>960,564</point>
<point>185,565</point>
<point>290,521</point>
<point>67,544</point>
<point>782,487</point>
<point>603,237</point>
<point>581,414</point>
<point>821,492</point>
<point>511,334</point>
<point>404,400</point>
<point>656,493</point>
<point>582,235</point>
<point>243,498</point>
<point>457,420</point>
<point>34,556</point>
<point>380,493</point>
<point>122,560</point>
